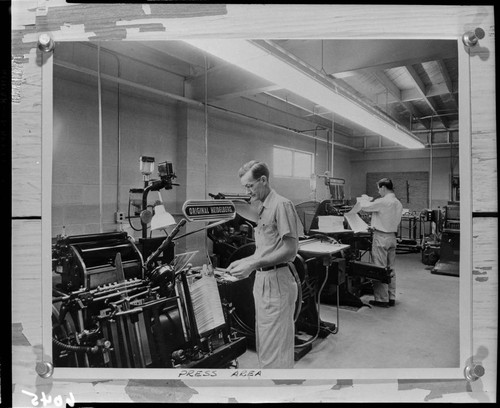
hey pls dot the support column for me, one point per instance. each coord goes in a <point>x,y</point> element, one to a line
<point>190,171</point>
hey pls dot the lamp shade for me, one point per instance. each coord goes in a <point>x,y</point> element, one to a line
<point>161,218</point>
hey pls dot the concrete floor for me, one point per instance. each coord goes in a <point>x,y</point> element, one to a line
<point>421,331</point>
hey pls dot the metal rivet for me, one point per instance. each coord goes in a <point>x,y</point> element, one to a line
<point>474,372</point>
<point>45,43</point>
<point>44,369</point>
<point>471,38</point>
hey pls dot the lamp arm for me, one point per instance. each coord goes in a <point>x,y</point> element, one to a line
<point>145,193</point>
<point>145,196</point>
<point>203,228</point>
<point>166,242</point>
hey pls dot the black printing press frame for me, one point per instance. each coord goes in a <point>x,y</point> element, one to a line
<point>112,309</point>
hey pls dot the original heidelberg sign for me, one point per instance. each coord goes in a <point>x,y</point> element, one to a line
<point>209,210</point>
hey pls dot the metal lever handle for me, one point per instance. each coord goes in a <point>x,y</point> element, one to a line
<point>165,243</point>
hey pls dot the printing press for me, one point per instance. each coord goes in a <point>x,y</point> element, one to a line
<point>112,307</point>
<point>448,259</point>
<point>339,268</point>
<point>227,238</point>
<point>359,273</point>
<point>121,304</point>
<point>315,273</point>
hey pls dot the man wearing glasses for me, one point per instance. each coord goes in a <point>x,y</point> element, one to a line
<point>275,290</point>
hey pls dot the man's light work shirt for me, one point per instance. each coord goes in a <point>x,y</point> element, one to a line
<point>386,212</point>
<point>277,218</point>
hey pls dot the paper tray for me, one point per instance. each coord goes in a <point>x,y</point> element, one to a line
<point>321,248</point>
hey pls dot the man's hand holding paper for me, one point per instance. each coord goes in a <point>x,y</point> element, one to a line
<point>364,197</point>
<point>359,201</point>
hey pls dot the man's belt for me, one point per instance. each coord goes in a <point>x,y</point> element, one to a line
<point>270,268</point>
<point>384,232</point>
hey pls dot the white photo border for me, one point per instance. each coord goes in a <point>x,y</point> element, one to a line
<point>465,291</point>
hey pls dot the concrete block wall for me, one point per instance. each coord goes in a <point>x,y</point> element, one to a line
<point>145,128</point>
<point>407,161</point>
<point>233,142</point>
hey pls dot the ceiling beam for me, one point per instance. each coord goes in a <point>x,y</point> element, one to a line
<point>411,95</point>
<point>396,94</point>
<point>373,101</point>
<point>447,80</point>
<point>366,112</point>
<point>406,96</point>
<point>394,64</point>
<point>423,92</point>
<point>396,97</point>
<point>389,85</point>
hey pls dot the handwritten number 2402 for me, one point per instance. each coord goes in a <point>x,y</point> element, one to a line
<point>47,399</point>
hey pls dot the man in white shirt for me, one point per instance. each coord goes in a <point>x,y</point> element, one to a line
<point>386,215</point>
<point>275,289</point>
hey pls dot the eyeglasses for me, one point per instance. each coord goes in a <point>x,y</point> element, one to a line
<point>249,186</point>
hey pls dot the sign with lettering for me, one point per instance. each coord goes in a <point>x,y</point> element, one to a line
<point>209,210</point>
<point>337,181</point>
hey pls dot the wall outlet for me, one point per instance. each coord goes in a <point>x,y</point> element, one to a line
<point>119,217</point>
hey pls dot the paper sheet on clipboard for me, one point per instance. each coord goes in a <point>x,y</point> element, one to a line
<point>355,222</point>
<point>207,305</point>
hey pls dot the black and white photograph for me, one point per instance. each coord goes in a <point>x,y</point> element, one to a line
<point>275,207</point>
<point>142,128</point>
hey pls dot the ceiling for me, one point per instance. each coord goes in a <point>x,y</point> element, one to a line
<point>411,82</point>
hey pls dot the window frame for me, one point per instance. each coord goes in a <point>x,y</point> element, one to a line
<point>293,151</point>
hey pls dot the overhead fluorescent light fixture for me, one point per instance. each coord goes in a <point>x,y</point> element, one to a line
<point>276,65</point>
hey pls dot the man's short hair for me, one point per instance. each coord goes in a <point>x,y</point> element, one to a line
<point>385,182</point>
<point>257,169</point>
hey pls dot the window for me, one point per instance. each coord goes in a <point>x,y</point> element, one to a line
<point>292,163</point>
